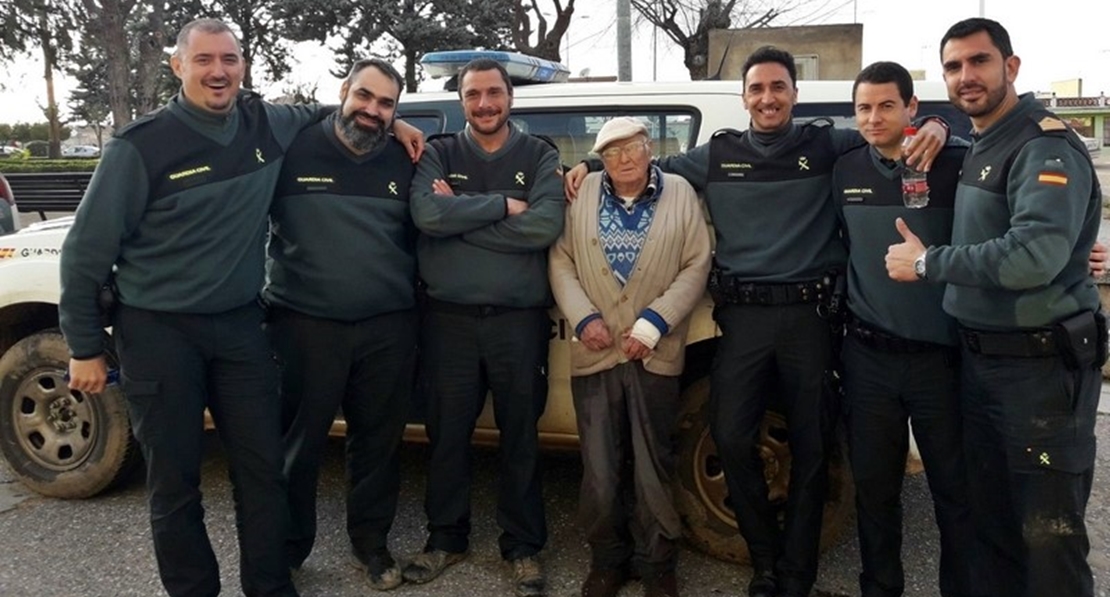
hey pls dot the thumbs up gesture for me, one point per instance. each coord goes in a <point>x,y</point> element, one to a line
<point>900,257</point>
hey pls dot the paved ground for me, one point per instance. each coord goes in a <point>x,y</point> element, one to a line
<point>101,547</point>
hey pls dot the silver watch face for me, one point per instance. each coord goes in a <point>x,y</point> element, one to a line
<point>919,266</point>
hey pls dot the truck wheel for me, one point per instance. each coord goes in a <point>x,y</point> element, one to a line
<point>59,442</point>
<point>701,494</point>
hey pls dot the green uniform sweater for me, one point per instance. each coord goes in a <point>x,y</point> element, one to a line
<point>178,206</point>
<point>1028,208</point>
<point>469,252</point>
<point>867,190</point>
<point>768,198</point>
<point>342,244</point>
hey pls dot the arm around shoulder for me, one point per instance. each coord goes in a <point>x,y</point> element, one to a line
<point>286,120</point>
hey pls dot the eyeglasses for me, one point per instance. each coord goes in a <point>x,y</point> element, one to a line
<point>632,150</point>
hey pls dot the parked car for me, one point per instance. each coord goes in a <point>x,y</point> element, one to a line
<point>1092,145</point>
<point>7,151</point>
<point>81,151</point>
<point>9,214</point>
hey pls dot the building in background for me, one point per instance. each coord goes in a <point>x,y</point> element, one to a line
<point>822,52</point>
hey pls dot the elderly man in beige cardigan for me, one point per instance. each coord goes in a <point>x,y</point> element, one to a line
<point>630,267</point>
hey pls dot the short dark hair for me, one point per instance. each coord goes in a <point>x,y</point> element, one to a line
<point>771,54</point>
<point>484,64</point>
<point>383,66</point>
<point>209,26</point>
<point>968,27</point>
<point>886,72</point>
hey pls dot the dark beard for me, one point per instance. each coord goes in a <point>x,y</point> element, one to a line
<point>361,138</point>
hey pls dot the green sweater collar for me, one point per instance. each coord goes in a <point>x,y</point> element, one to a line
<point>218,127</point>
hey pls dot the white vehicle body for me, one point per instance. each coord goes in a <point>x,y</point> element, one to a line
<point>1094,149</point>
<point>29,263</point>
<point>81,151</point>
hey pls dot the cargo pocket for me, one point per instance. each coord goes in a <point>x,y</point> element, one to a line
<point>1069,458</point>
<point>143,406</point>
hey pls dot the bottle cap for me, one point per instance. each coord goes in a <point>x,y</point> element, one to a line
<point>909,130</point>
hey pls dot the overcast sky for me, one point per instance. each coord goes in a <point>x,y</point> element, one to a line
<point>1068,41</point>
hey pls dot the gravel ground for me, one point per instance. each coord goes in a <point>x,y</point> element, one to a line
<point>101,547</point>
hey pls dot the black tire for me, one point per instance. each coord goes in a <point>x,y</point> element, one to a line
<point>701,494</point>
<point>59,442</point>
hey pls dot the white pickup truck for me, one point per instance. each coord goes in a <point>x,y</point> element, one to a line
<point>58,442</point>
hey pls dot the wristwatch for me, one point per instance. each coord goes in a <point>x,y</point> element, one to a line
<point>919,267</point>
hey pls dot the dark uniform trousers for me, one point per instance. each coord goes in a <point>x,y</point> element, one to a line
<point>1029,429</point>
<point>173,367</point>
<point>782,351</point>
<point>882,390</point>
<point>367,367</point>
<point>468,352</point>
<point>627,419</point>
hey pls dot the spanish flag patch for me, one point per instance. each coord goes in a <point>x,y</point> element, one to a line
<point>1056,178</point>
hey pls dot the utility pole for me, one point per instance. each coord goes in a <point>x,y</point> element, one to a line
<point>624,40</point>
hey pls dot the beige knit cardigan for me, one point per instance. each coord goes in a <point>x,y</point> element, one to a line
<point>669,278</point>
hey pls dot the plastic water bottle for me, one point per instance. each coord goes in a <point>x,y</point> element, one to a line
<point>915,186</point>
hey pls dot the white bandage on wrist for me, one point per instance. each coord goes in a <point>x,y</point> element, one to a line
<point>645,332</point>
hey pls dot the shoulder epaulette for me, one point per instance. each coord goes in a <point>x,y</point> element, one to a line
<point>438,136</point>
<point>1050,124</point>
<point>727,132</point>
<point>545,139</point>
<point>248,96</point>
<point>820,121</point>
<point>143,120</point>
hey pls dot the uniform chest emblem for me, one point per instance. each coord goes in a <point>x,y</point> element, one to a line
<point>984,173</point>
<point>392,187</point>
<point>803,163</point>
<point>519,178</point>
<point>258,156</point>
<point>856,194</point>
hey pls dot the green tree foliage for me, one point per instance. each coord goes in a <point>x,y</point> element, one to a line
<point>25,132</point>
<point>130,37</point>
<point>406,28</point>
<point>89,101</point>
<point>261,35</point>
<point>44,27</point>
<point>92,99</point>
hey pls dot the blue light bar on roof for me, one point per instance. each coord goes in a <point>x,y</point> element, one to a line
<point>521,68</point>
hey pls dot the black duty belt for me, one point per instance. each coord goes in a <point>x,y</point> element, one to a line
<point>772,294</point>
<point>1026,343</point>
<point>885,342</point>
<point>468,310</point>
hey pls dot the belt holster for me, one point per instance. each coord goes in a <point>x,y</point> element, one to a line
<point>106,301</point>
<point>715,285</point>
<point>1082,340</point>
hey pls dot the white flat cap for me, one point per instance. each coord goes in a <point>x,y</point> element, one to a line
<point>618,129</point>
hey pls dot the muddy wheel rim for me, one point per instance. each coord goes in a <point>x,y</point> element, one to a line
<point>709,478</point>
<point>55,426</point>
